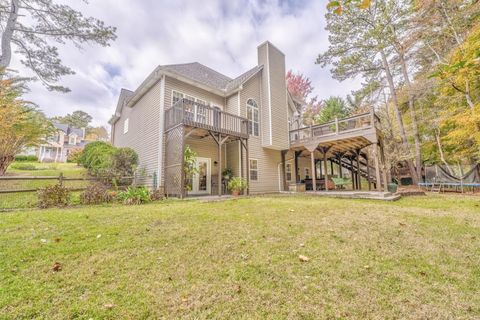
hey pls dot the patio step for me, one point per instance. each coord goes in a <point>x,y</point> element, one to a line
<point>373,195</point>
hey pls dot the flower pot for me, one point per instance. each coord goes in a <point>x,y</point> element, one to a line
<point>235,193</point>
<point>392,187</point>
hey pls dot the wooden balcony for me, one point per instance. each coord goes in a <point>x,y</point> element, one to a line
<point>341,134</point>
<point>193,114</point>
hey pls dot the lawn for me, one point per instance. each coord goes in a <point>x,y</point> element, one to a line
<point>26,200</point>
<point>417,258</point>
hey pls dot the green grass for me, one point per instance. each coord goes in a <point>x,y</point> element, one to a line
<point>27,200</point>
<point>418,258</point>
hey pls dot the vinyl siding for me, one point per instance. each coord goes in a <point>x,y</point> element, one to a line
<point>268,160</point>
<point>143,133</point>
<point>172,84</point>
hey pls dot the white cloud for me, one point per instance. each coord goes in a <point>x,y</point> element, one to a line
<point>221,34</point>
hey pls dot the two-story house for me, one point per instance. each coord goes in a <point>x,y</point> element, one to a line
<point>58,146</point>
<point>246,124</point>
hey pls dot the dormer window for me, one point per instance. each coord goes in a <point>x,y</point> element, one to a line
<point>253,117</point>
<point>72,140</point>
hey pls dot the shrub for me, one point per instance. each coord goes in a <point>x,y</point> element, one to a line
<point>74,155</point>
<point>23,158</point>
<point>96,157</point>
<point>124,161</point>
<point>134,195</point>
<point>24,166</point>
<point>157,194</point>
<point>96,193</point>
<point>53,196</point>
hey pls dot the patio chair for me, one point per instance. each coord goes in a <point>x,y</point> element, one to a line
<point>340,183</point>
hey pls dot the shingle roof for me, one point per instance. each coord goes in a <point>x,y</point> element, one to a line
<point>207,76</point>
<point>67,129</point>
<point>200,73</point>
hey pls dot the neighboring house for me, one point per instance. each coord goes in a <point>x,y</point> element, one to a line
<point>246,124</point>
<point>59,145</point>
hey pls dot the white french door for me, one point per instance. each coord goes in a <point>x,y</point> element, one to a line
<point>201,182</point>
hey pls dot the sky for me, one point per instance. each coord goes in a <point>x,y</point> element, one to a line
<point>221,34</point>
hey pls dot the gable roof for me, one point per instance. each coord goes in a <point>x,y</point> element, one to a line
<point>68,130</point>
<point>200,73</point>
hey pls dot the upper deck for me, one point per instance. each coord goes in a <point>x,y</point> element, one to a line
<point>340,135</point>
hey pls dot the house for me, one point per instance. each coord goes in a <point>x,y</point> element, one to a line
<point>58,146</point>
<point>248,124</point>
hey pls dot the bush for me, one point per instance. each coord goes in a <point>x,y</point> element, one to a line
<point>24,166</point>
<point>53,196</point>
<point>237,185</point>
<point>134,195</point>
<point>96,157</point>
<point>74,155</point>
<point>96,193</point>
<point>124,161</point>
<point>23,158</point>
<point>157,194</point>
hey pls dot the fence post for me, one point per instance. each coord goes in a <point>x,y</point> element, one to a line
<point>60,179</point>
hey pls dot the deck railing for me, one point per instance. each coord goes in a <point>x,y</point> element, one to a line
<point>302,133</point>
<point>197,115</point>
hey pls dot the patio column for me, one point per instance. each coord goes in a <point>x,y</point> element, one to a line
<point>314,171</point>
<point>297,176</point>
<point>326,170</point>
<point>377,167</point>
<point>359,175</point>
<point>284,174</point>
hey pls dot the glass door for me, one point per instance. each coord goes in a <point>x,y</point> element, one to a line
<point>201,181</point>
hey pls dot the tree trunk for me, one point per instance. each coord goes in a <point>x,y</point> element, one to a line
<point>7,35</point>
<point>398,115</point>
<point>413,115</point>
<point>4,163</point>
<point>440,150</point>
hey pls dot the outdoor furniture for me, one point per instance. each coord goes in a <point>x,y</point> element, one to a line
<point>340,183</point>
<point>296,187</point>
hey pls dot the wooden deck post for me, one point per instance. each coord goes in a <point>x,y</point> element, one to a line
<point>368,174</point>
<point>241,159</point>
<point>339,157</point>
<point>352,170</point>
<point>247,155</point>
<point>359,175</point>
<point>377,167</point>
<point>297,176</point>
<point>219,165</point>
<point>326,169</point>
<point>314,171</point>
<point>284,174</point>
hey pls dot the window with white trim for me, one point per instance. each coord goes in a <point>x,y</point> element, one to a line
<point>125,126</point>
<point>72,140</point>
<point>253,169</point>
<point>253,117</point>
<point>176,96</point>
<point>288,171</point>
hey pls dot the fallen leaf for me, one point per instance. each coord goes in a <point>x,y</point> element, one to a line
<point>303,258</point>
<point>99,236</point>
<point>43,240</point>
<point>108,305</point>
<point>57,267</point>
<point>238,288</point>
<point>58,239</point>
<point>367,267</point>
<point>302,244</point>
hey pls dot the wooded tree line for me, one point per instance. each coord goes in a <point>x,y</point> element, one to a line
<point>419,62</point>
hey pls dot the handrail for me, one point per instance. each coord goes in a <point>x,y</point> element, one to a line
<point>199,115</point>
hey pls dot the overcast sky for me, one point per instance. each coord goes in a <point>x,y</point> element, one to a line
<point>221,34</point>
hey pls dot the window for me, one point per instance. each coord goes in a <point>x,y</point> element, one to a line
<point>253,117</point>
<point>288,171</point>
<point>176,96</point>
<point>253,169</point>
<point>307,173</point>
<point>72,140</point>
<point>125,126</point>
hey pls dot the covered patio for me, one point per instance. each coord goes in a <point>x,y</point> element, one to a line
<point>351,147</point>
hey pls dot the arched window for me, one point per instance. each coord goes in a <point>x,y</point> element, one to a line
<point>253,117</point>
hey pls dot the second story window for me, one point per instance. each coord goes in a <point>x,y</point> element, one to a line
<point>72,140</point>
<point>253,117</point>
<point>125,126</point>
<point>176,96</point>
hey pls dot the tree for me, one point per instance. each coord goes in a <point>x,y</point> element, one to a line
<point>77,119</point>
<point>97,134</point>
<point>21,124</point>
<point>337,5</point>
<point>31,26</point>
<point>362,45</point>
<point>333,107</point>
<point>299,86</point>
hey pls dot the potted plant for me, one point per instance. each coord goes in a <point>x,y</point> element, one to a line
<point>237,185</point>
<point>227,174</point>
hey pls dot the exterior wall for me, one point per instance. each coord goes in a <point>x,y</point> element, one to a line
<point>143,132</point>
<point>269,161</point>
<point>231,105</point>
<point>172,84</point>
<point>274,97</point>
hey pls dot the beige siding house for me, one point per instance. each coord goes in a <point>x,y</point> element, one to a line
<point>248,124</point>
